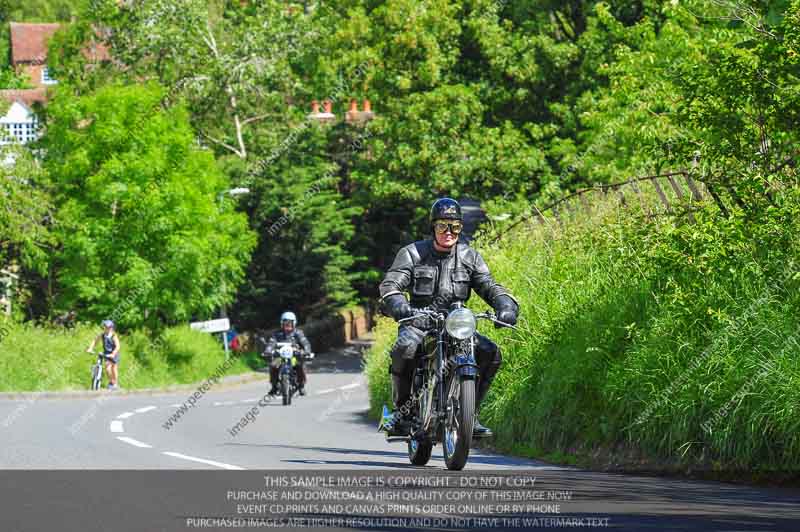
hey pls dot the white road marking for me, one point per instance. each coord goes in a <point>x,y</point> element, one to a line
<point>133,442</point>
<point>249,400</point>
<point>145,409</point>
<point>177,405</point>
<point>339,389</point>
<point>204,461</point>
<point>126,415</point>
<point>224,403</point>
<point>116,426</point>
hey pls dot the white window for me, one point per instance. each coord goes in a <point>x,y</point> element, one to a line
<point>20,132</point>
<point>46,79</point>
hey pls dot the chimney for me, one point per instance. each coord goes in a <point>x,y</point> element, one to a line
<point>367,113</point>
<point>352,113</point>
<point>322,117</point>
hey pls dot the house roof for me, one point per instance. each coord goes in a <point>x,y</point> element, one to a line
<point>29,42</point>
<point>26,96</point>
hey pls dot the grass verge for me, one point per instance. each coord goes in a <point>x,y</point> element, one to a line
<point>34,358</point>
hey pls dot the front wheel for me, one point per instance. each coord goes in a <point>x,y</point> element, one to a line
<point>97,373</point>
<point>419,452</point>
<point>457,437</point>
<point>286,389</point>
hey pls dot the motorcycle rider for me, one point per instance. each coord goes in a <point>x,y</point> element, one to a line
<point>288,333</point>
<point>438,272</point>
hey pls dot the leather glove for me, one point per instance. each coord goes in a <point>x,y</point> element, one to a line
<point>397,307</point>
<point>506,310</point>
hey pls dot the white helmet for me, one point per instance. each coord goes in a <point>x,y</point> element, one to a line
<point>289,316</point>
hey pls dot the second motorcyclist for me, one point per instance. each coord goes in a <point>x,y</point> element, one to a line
<point>288,333</point>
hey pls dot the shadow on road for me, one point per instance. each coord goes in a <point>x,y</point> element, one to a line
<point>473,459</point>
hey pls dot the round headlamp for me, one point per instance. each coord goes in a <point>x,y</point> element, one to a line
<point>460,323</point>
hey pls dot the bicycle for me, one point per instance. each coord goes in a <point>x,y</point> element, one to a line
<point>97,369</point>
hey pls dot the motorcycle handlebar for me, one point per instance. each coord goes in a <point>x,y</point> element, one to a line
<point>491,317</point>
<point>297,352</point>
<point>422,313</point>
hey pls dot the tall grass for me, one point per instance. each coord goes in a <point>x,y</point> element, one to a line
<point>678,341</point>
<point>33,358</point>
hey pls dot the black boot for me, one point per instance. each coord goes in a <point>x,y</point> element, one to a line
<point>400,424</point>
<point>478,430</point>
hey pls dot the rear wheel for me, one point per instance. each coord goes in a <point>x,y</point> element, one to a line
<point>286,389</point>
<point>419,452</point>
<point>457,430</point>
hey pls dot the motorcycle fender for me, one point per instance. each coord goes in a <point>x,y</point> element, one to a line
<point>466,366</point>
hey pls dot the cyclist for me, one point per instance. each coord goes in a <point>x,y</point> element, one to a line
<point>111,346</point>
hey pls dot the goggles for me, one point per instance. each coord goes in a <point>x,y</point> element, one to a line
<point>440,227</point>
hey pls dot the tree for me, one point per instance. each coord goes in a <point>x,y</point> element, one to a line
<point>25,210</point>
<point>147,234</point>
<point>230,64</point>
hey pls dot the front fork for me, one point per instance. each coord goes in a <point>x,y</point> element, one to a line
<point>461,366</point>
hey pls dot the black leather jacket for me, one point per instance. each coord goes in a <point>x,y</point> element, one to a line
<point>439,279</point>
<point>296,337</point>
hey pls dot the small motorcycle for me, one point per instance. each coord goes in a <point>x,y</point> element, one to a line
<point>442,408</point>
<point>287,374</point>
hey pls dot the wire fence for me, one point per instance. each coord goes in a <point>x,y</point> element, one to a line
<point>668,194</point>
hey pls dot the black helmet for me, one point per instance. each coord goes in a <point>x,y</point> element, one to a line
<point>445,209</point>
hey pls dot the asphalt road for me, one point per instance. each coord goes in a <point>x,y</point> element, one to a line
<point>325,431</point>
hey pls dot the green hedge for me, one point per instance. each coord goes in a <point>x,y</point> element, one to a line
<point>671,342</point>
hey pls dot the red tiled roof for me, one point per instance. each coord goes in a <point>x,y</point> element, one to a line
<point>26,96</point>
<point>29,42</point>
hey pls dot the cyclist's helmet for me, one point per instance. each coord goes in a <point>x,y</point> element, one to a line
<point>108,323</point>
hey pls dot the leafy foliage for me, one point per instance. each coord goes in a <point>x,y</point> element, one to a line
<point>25,210</point>
<point>146,232</point>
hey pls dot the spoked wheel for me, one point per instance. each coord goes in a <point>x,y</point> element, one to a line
<point>286,389</point>
<point>457,429</point>
<point>419,452</point>
<point>96,377</point>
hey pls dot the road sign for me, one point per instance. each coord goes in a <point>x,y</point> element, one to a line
<point>213,326</point>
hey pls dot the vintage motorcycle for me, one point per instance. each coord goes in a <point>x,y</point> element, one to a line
<point>442,408</point>
<point>287,352</point>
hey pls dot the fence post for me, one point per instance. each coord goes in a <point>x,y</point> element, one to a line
<point>679,192</point>
<point>661,195</point>
<point>586,205</point>
<point>642,201</point>
<point>696,194</point>
<point>717,200</point>
<point>621,196</point>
